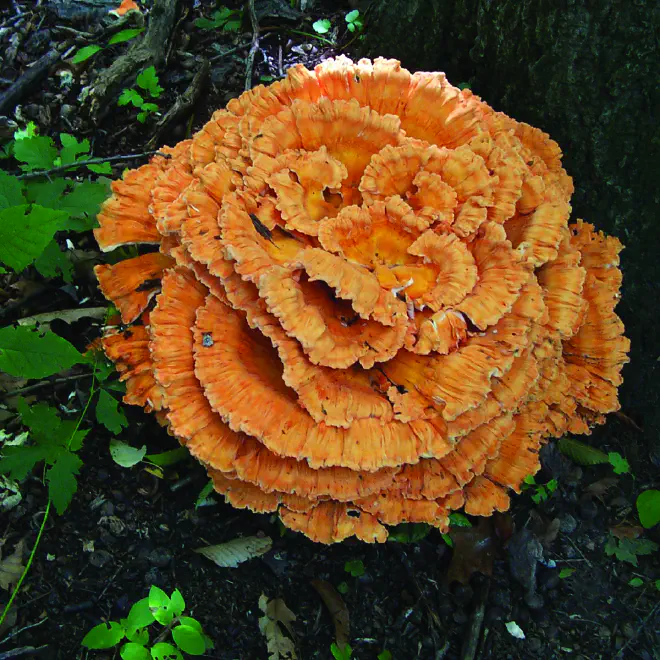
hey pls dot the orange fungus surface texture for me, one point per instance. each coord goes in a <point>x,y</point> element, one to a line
<point>359,300</point>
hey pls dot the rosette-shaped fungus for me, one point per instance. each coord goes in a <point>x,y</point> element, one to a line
<point>364,303</point>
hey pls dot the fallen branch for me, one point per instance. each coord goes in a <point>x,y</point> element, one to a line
<point>184,104</point>
<point>249,62</point>
<point>90,161</point>
<point>149,51</point>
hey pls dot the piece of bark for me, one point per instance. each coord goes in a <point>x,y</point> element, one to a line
<point>183,106</point>
<point>150,51</point>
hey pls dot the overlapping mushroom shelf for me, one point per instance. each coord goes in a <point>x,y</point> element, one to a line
<point>363,303</point>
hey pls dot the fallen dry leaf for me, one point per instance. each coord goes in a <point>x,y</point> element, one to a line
<point>474,551</point>
<point>276,615</point>
<point>626,531</point>
<point>600,487</point>
<point>337,608</point>
<point>235,552</point>
<point>11,567</point>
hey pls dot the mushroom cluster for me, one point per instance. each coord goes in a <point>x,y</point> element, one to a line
<point>366,305</point>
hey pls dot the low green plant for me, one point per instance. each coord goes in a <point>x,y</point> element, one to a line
<point>343,588</point>
<point>322,26</point>
<point>584,454</point>
<point>119,38</point>
<point>409,532</point>
<point>343,653</point>
<point>148,83</point>
<point>456,519</point>
<point>540,492</point>
<point>156,608</point>
<point>354,567</point>
<point>648,508</point>
<point>354,21</point>
<point>628,550</point>
<point>566,572</point>
<point>223,19</point>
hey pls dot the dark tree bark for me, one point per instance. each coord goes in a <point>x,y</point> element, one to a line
<point>585,71</point>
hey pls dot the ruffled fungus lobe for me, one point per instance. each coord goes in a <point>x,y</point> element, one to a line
<point>367,305</point>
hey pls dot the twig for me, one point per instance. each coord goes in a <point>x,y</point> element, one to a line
<point>471,643</point>
<point>249,62</point>
<point>219,56</point>
<point>16,633</point>
<point>43,383</point>
<point>638,631</point>
<point>91,161</point>
<point>22,652</point>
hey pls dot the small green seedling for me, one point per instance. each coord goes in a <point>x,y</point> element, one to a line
<point>224,19</point>
<point>345,653</point>
<point>148,82</point>
<point>355,567</point>
<point>322,26</point>
<point>118,38</point>
<point>384,655</point>
<point>541,491</point>
<point>629,549</point>
<point>354,21</point>
<point>158,607</point>
<point>566,573</point>
<point>343,588</point>
<point>409,532</point>
<point>636,582</point>
<point>619,464</point>
<point>455,520</point>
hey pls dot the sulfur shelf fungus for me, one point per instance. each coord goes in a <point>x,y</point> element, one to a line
<point>359,300</point>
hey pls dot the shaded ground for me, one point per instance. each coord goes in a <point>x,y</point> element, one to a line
<point>126,529</point>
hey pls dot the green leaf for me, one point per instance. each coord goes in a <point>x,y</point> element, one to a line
<point>26,353</point>
<point>130,96</point>
<point>448,540</point>
<point>343,588</point>
<point>343,653</point>
<point>52,262</point>
<point>104,636</point>
<point>125,455</point>
<point>165,651</point>
<point>11,191</point>
<point>459,520</point>
<point>25,231</point>
<point>148,80</point>
<point>171,457</point>
<point>84,201</point>
<point>189,621</point>
<point>138,635</point>
<point>636,582</point>
<point>29,131</point>
<point>140,614</point>
<point>581,453</point>
<point>109,413</point>
<point>566,573</point>
<point>628,549</point>
<point>61,479</point>
<point>352,16</point>
<point>134,651</point>
<point>177,603</point>
<point>189,640</point>
<point>355,567</point>
<point>409,532</point>
<point>322,26</point>
<point>552,485</point>
<point>657,585</point>
<point>232,26</point>
<point>85,53</point>
<point>46,193</point>
<point>619,464</point>
<point>36,153</point>
<point>18,462</point>
<point>71,148</point>
<point>648,508</point>
<point>384,655</point>
<point>124,35</point>
<point>161,606</point>
<point>101,168</point>
<point>204,493</point>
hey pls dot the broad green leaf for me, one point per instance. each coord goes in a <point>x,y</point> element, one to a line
<point>232,26</point>
<point>46,193</point>
<point>177,602</point>
<point>619,464</point>
<point>26,353</point>
<point>134,651</point>
<point>165,651</point>
<point>124,35</point>
<point>581,453</point>
<point>125,455</point>
<point>170,457</point>
<point>61,479</point>
<point>634,582</point>
<point>160,605</point>
<point>566,573</point>
<point>409,532</point>
<point>189,640</point>
<point>648,508</point>
<point>137,635</point>
<point>85,53</point>
<point>25,231</point>
<point>148,80</point>
<point>103,636</point>
<point>204,493</point>
<point>109,413</point>
<point>101,168</point>
<point>354,567</point>
<point>11,191</point>
<point>29,131</point>
<point>130,96</point>
<point>189,621</point>
<point>322,26</point>
<point>140,614</point>
<point>36,153</point>
<point>352,16</point>
<point>17,462</point>
<point>85,200</point>
<point>52,262</point>
<point>71,148</point>
<point>384,655</point>
<point>459,520</point>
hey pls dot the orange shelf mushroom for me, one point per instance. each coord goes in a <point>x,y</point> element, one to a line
<point>360,301</point>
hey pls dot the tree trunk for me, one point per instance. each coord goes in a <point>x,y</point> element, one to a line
<point>585,71</point>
